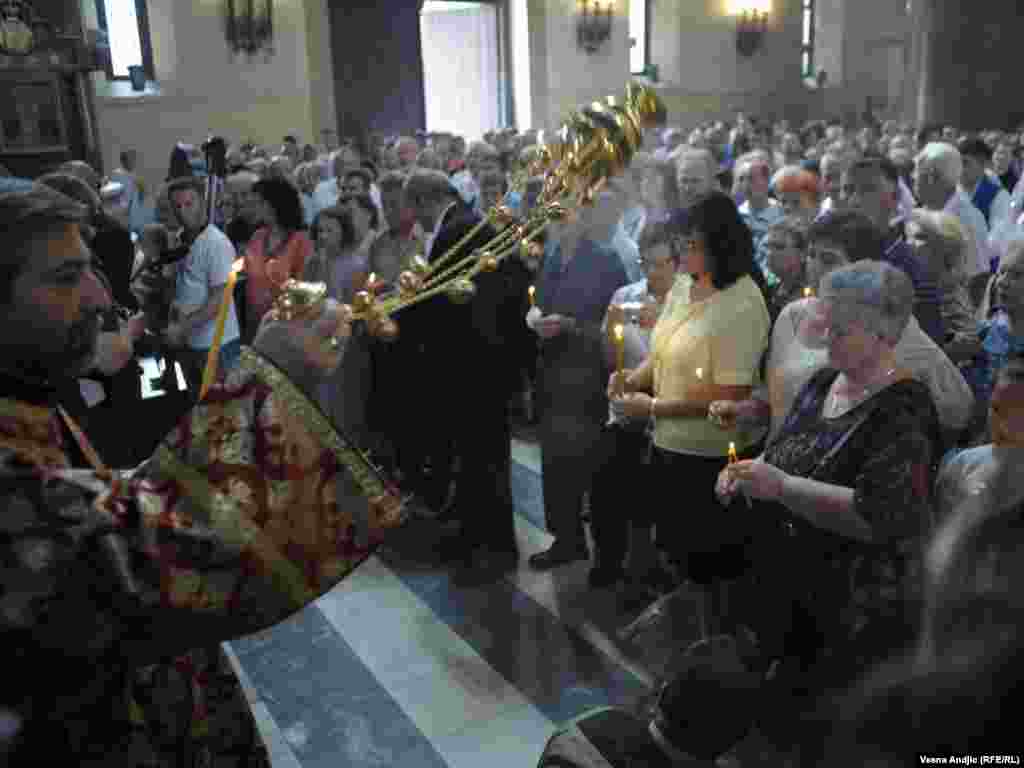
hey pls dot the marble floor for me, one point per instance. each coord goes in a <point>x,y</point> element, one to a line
<point>399,666</point>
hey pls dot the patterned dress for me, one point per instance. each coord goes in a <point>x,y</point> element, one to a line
<point>250,509</point>
<point>822,591</point>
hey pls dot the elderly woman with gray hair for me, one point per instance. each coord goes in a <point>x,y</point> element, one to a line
<point>939,241</point>
<point>842,497</point>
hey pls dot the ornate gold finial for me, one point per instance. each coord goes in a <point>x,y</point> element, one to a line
<point>556,212</point>
<point>362,303</point>
<point>297,299</point>
<point>409,283</point>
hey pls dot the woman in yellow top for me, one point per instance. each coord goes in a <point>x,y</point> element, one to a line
<point>707,346</point>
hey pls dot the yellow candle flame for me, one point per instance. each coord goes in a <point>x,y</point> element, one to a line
<point>808,292</point>
<point>620,344</point>
<point>533,296</point>
<point>733,458</point>
<point>371,281</point>
<point>700,374</point>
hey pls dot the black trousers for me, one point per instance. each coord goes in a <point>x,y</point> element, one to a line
<point>709,542</point>
<point>621,492</point>
<point>572,408</point>
<point>483,486</point>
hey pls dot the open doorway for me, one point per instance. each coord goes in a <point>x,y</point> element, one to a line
<point>461,67</point>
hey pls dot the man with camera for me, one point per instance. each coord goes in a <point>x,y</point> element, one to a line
<point>199,286</point>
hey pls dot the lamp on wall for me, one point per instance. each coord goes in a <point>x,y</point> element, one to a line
<point>751,23</point>
<point>249,26</point>
<point>593,23</point>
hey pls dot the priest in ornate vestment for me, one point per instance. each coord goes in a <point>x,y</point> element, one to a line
<point>246,512</point>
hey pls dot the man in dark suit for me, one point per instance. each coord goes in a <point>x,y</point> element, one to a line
<point>466,354</point>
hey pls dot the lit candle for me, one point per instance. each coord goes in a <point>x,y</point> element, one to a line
<point>733,458</point>
<point>700,374</point>
<point>808,292</point>
<point>620,347</point>
<point>371,283</point>
<point>533,296</point>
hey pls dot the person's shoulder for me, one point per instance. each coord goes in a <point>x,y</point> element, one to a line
<point>907,405</point>
<point>214,241</point>
<point>745,296</point>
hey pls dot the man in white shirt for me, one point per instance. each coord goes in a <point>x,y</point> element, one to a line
<point>199,287</point>
<point>937,172</point>
<point>695,174</point>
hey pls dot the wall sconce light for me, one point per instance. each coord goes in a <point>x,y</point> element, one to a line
<point>593,23</point>
<point>751,24</point>
<point>249,26</point>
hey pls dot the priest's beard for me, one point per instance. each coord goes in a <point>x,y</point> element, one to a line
<point>72,358</point>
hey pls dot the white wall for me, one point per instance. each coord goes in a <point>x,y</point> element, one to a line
<point>565,76</point>
<point>693,43</point>
<point>203,89</point>
<point>864,45</point>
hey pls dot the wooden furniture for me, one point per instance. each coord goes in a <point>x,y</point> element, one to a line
<point>46,109</point>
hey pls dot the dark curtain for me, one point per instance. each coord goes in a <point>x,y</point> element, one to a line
<point>378,67</point>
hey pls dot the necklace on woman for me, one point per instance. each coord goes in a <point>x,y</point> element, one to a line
<point>837,405</point>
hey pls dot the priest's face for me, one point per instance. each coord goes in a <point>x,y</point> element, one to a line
<point>52,320</point>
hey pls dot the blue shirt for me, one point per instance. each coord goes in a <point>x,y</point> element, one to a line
<point>583,289</point>
<point>997,344</point>
<point>928,301</point>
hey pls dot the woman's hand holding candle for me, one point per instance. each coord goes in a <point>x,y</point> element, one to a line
<point>620,350</point>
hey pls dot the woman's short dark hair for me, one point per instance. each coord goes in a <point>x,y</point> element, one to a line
<point>344,219</point>
<point>366,203</point>
<point>728,242</point>
<point>851,230</point>
<point>283,197</point>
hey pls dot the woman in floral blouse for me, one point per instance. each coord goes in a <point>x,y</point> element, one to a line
<point>842,495</point>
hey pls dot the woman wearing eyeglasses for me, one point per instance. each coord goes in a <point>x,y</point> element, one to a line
<point>836,240</point>
<point>842,497</point>
<point>706,346</point>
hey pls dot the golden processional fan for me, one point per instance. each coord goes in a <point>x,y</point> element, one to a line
<point>596,142</point>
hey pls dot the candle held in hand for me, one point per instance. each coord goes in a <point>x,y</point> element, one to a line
<point>620,347</point>
<point>733,458</point>
<point>619,332</point>
<point>533,296</point>
<point>371,283</point>
<point>808,292</point>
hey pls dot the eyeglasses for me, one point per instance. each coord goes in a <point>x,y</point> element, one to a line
<point>351,189</point>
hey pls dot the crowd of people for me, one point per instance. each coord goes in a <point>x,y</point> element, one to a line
<point>781,368</point>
